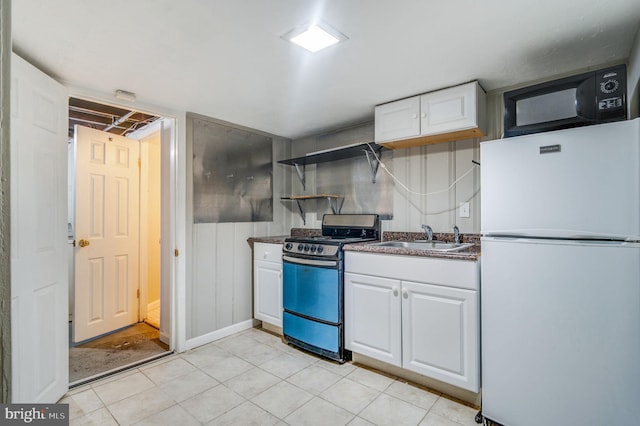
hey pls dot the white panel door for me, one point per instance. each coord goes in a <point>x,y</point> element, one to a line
<point>440,333</point>
<point>107,232</point>
<point>39,274</point>
<point>373,317</point>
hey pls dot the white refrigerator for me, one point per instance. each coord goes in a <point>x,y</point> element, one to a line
<point>560,289</point>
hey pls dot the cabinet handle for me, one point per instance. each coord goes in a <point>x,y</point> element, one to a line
<point>424,115</point>
<point>405,294</point>
<point>395,291</point>
<point>414,116</point>
<point>266,254</point>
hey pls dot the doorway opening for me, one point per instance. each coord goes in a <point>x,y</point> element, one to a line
<point>119,285</point>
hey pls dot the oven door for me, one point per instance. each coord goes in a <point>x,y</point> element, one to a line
<point>312,288</point>
<point>313,303</point>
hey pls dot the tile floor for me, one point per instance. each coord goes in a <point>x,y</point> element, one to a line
<point>252,378</point>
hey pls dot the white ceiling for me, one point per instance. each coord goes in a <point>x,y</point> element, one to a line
<point>225,59</point>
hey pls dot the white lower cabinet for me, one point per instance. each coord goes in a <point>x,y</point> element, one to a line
<point>267,283</point>
<point>373,316</point>
<point>417,313</point>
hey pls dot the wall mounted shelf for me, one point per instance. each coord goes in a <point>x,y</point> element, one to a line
<point>335,154</point>
<point>335,202</point>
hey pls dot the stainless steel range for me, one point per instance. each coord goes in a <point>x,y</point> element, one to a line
<point>313,285</point>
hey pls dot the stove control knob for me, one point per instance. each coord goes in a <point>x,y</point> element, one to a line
<point>320,249</point>
<point>306,247</point>
<point>288,246</point>
<point>300,247</point>
<point>313,249</point>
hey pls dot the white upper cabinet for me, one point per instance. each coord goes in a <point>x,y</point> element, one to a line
<point>398,120</point>
<point>445,115</point>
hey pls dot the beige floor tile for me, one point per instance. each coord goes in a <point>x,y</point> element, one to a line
<point>341,369</point>
<point>212,403</point>
<point>359,421</point>
<point>205,355</point>
<point>131,410</point>
<point>454,411</point>
<point>350,395</point>
<point>252,382</point>
<point>259,353</point>
<point>284,365</point>
<point>82,403</point>
<point>168,371</point>
<point>236,344</point>
<point>184,387</point>
<point>319,412</point>
<point>122,388</point>
<point>263,336</point>
<point>174,415</point>
<point>434,419</point>
<point>372,379</point>
<point>412,394</point>
<point>246,414</point>
<point>227,368</point>
<point>314,379</point>
<point>387,410</point>
<point>282,399</point>
<point>100,417</point>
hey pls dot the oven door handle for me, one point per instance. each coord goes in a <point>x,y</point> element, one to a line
<point>310,262</point>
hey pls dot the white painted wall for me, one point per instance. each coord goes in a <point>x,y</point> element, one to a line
<point>633,78</point>
<point>423,170</point>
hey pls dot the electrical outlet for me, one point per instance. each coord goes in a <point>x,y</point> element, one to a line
<point>464,210</point>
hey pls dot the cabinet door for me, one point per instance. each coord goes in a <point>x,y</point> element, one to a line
<point>268,292</point>
<point>440,333</point>
<point>397,120</point>
<point>373,318</point>
<point>449,110</point>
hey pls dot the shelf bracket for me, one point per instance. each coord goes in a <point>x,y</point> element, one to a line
<point>304,219</point>
<point>335,204</point>
<point>301,175</point>
<point>374,164</point>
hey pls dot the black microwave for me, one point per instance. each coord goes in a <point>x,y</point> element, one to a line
<point>579,100</point>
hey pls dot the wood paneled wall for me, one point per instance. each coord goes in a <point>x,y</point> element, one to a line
<point>220,285</point>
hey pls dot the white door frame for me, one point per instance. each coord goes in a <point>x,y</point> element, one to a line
<point>177,193</point>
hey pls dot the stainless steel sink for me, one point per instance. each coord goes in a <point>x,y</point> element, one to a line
<point>425,245</point>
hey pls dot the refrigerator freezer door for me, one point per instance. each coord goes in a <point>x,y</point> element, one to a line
<point>560,332</point>
<point>575,183</point>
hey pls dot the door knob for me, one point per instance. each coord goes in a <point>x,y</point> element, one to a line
<point>84,243</point>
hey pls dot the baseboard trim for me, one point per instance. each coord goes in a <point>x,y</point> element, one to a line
<point>219,334</point>
<point>153,305</point>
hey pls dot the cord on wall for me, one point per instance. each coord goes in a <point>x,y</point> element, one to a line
<point>423,194</point>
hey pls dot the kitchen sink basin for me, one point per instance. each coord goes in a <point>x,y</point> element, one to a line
<point>425,245</point>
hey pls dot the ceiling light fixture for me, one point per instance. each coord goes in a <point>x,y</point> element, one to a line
<point>125,96</point>
<point>314,37</point>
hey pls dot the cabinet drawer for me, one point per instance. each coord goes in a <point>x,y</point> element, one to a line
<point>447,272</point>
<point>268,252</point>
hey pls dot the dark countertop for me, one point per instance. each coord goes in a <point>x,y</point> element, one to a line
<point>471,253</point>
<point>279,239</point>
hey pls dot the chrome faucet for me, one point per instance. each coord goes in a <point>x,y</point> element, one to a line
<point>456,235</point>
<point>428,231</point>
